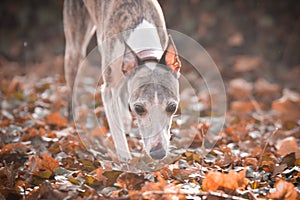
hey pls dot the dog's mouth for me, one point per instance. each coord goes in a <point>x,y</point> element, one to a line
<point>157,147</point>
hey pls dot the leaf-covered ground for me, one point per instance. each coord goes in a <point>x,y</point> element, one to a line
<point>257,156</point>
<point>254,43</point>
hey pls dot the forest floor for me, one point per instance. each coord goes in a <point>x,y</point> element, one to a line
<point>257,155</point>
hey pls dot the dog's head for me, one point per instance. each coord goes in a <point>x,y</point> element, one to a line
<point>153,90</point>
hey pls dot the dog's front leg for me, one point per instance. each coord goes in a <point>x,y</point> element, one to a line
<point>124,108</point>
<point>78,29</point>
<point>114,118</point>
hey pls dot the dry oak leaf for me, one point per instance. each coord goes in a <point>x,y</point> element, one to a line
<point>245,107</point>
<point>47,162</point>
<point>247,63</point>
<point>12,148</point>
<point>230,182</point>
<point>263,87</point>
<point>160,189</point>
<point>287,146</point>
<point>131,181</point>
<point>284,190</point>
<point>240,88</point>
<point>155,186</point>
<point>98,174</point>
<point>56,119</point>
<point>288,106</point>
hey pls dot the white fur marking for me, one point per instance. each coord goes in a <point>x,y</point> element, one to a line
<point>155,98</point>
<point>151,65</point>
<point>144,36</point>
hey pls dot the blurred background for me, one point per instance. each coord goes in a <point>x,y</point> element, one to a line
<point>251,39</point>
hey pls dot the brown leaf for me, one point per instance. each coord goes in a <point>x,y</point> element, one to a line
<point>288,106</point>
<point>229,182</point>
<point>166,173</point>
<point>240,88</point>
<point>287,146</point>
<point>263,87</point>
<point>284,190</point>
<point>111,176</point>
<point>251,161</point>
<point>247,63</point>
<point>98,175</point>
<point>47,163</point>
<point>4,123</point>
<point>12,148</point>
<point>236,39</point>
<point>150,186</point>
<point>245,107</point>
<point>46,191</point>
<point>56,119</point>
<point>131,181</point>
<point>268,166</point>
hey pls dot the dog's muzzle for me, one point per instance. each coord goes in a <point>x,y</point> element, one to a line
<point>158,152</point>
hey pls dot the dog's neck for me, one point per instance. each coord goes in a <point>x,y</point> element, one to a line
<point>145,39</point>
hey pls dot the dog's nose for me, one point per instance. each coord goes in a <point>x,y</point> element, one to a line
<point>157,152</point>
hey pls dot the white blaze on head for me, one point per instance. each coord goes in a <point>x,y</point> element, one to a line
<point>144,36</point>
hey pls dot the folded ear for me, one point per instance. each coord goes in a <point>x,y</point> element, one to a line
<point>170,57</point>
<point>130,60</point>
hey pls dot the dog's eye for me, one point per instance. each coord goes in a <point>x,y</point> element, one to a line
<point>139,109</point>
<point>171,108</point>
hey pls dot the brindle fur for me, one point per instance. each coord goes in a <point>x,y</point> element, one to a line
<point>109,18</point>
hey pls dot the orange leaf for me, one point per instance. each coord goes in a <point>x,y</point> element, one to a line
<point>288,106</point>
<point>240,89</point>
<point>131,181</point>
<point>56,119</point>
<point>284,190</point>
<point>263,87</point>
<point>247,63</point>
<point>98,175</point>
<point>47,163</point>
<point>244,107</point>
<point>287,146</point>
<point>231,181</point>
<point>4,123</point>
<point>157,186</point>
<point>16,147</point>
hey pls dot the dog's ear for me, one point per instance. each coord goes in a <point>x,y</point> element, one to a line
<point>130,60</point>
<point>170,57</point>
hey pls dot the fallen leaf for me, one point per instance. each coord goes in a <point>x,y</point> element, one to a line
<point>56,119</point>
<point>131,181</point>
<point>229,182</point>
<point>287,146</point>
<point>43,174</point>
<point>12,148</point>
<point>284,190</point>
<point>245,107</point>
<point>251,161</point>
<point>152,186</point>
<point>111,176</point>
<point>288,106</point>
<point>268,166</point>
<point>98,175</point>
<point>247,63</point>
<point>240,89</point>
<point>47,163</point>
<point>263,87</point>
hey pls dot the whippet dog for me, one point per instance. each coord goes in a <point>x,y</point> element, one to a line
<point>143,82</point>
